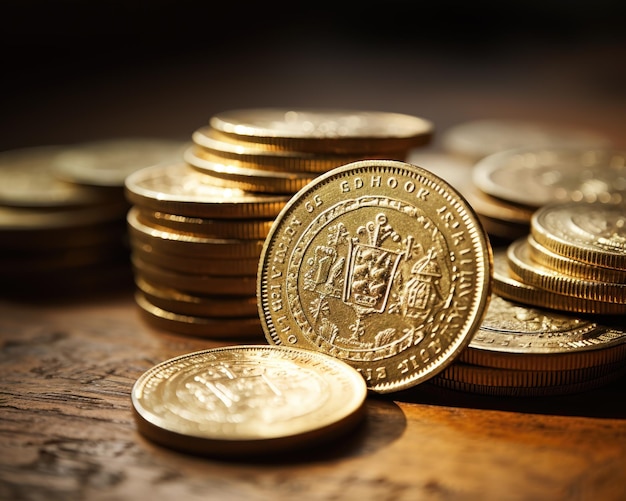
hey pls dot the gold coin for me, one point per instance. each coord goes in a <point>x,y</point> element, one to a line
<point>529,391</point>
<point>251,156</point>
<point>228,175</point>
<point>533,273</point>
<point>381,264</point>
<point>572,267</point>
<point>536,177</point>
<point>244,229</point>
<point>27,180</point>
<point>476,139</point>
<point>183,303</point>
<point>325,130</point>
<point>181,189</point>
<point>489,376</point>
<point>515,336</point>
<point>499,217</point>
<point>226,328</point>
<point>107,163</point>
<point>248,400</point>
<point>195,282</point>
<point>593,233</point>
<point>189,244</point>
<point>507,285</point>
<point>194,264</point>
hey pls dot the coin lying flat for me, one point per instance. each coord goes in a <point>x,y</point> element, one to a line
<point>507,285</point>
<point>530,391</point>
<point>180,189</point>
<point>201,326</point>
<point>380,263</point>
<point>107,163</point>
<point>572,267</point>
<point>515,336</point>
<point>520,263</point>
<point>593,233</point>
<point>27,180</point>
<point>189,244</point>
<point>476,139</point>
<point>324,130</point>
<point>245,400</point>
<point>251,155</point>
<point>183,303</point>
<point>536,177</point>
<point>228,174</point>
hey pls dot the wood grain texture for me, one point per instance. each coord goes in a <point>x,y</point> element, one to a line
<point>67,431</point>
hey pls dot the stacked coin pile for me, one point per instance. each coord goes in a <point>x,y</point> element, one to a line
<point>509,168</point>
<point>195,249</point>
<point>573,259</point>
<point>197,226</point>
<point>524,351</point>
<point>62,215</point>
<point>282,150</point>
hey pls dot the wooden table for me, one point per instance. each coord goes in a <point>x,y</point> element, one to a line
<point>67,430</point>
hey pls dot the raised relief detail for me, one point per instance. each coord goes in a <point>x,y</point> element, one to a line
<point>357,275</point>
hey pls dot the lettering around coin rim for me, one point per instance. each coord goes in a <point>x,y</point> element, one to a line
<point>381,264</point>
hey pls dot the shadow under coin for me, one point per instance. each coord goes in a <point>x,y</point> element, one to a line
<point>608,401</point>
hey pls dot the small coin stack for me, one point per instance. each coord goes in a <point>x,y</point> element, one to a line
<point>572,262</point>
<point>574,259</point>
<point>516,166</point>
<point>197,226</point>
<point>62,215</point>
<point>280,151</point>
<point>195,249</point>
<point>523,351</point>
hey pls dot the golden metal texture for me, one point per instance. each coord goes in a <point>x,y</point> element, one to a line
<point>381,264</point>
<point>337,131</point>
<point>247,400</point>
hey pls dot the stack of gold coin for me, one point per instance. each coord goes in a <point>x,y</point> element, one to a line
<point>197,226</point>
<point>519,165</point>
<point>62,214</point>
<point>277,150</point>
<point>573,259</point>
<point>524,351</point>
<point>195,248</point>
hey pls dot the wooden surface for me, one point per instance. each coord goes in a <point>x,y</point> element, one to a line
<point>67,366</point>
<point>67,431</point>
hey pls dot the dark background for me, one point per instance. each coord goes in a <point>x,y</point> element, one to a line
<point>79,70</point>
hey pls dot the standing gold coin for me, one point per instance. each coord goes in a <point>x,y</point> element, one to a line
<point>383,265</point>
<point>243,400</point>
